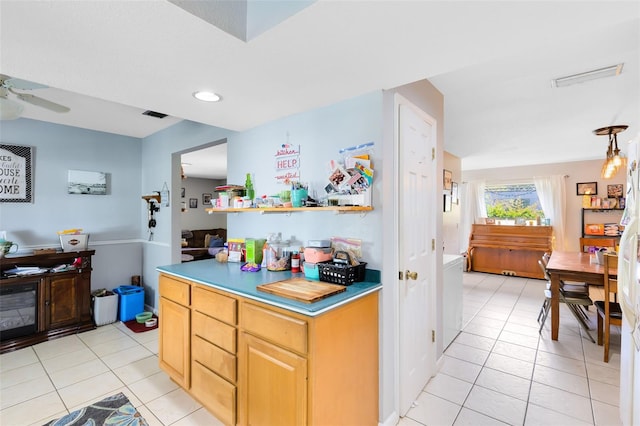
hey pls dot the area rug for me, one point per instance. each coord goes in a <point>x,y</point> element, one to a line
<point>137,327</point>
<point>115,410</point>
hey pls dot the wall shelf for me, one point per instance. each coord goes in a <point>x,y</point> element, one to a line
<point>335,209</point>
<point>598,210</point>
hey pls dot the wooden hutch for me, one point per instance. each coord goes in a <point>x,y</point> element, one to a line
<point>62,299</point>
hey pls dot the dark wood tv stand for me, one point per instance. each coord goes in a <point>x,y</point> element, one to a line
<point>63,298</point>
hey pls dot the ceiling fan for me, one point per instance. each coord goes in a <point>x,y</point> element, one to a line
<point>11,109</point>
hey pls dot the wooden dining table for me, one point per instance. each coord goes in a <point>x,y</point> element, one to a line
<point>570,266</point>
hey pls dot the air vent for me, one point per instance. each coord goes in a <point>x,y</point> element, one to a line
<point>154,114</point>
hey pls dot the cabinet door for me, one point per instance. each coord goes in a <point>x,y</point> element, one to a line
<point>175,341</point>
<point>61,301</point>
<point>274,384</point>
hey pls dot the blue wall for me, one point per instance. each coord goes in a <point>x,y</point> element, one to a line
<point>111,220</point>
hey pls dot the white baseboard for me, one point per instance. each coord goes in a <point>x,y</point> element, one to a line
<point>392,420</point>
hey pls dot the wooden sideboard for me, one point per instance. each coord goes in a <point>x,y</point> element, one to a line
<point>509,250</point>
<point>63,299</point>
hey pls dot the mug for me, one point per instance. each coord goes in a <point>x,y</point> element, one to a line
<point>298,197</point>
<point>5,248</point>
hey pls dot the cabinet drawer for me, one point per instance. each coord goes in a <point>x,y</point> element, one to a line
<point>215,305</point>
<point>214,358</point>
<point>281,329</point>
<point>173,289</point>
<point>214,331</point>
<point>215,393</point>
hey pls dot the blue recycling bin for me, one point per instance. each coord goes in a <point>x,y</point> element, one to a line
<point>130,301</point>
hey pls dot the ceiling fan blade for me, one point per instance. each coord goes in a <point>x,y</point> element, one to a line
<point>38,101</point>
<point>16,83</point>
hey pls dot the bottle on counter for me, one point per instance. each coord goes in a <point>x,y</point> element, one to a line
<point>295,262</point>
<point>248,185</point>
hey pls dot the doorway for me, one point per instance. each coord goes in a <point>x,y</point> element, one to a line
<point>201,170</point>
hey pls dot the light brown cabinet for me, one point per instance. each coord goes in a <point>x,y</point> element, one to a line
<point>175,330</point>
<point>274,383</point>
<point>213,352</point>
<point>254,363</point>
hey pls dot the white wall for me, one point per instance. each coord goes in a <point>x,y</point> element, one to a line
<point>111,220</point>
<point>578,171</point>
<point>320,134</point>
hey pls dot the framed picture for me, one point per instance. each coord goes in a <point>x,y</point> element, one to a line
<point>446,179</point>
<point>587,188</point>
<point>182,193</point>
<point>206,199</point>
<point>193,203</point>
<point>83,182</point>
<point>615,191</point>
<point>454,193</point>
<point>447,202</point>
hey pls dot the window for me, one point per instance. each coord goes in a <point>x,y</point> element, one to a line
<point>513,201</point>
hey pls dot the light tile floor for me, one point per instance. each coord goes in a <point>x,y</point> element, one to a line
<point>499,370</point>
<point>48,380</point>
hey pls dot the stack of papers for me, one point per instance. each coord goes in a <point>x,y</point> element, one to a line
<point>26,270</point>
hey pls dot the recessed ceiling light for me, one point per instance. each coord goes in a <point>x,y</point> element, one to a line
<point>207,96</point>
<point>587,76</point>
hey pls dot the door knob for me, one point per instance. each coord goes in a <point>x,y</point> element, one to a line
<point>411,275</point>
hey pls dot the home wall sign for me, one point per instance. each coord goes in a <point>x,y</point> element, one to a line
<point>287,163</point>
<point>16,174</point>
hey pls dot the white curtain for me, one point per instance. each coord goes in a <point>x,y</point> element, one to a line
<point>552,195</point>
<point>473,208</point>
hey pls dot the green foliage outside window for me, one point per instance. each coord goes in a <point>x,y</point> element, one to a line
<point>513,201</point>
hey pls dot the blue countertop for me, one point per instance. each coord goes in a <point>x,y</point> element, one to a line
<point>229,277</point>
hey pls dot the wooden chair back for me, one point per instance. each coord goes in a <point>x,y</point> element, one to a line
<point>610,280</point>
<point>585,243</point>
<point>609,312</point>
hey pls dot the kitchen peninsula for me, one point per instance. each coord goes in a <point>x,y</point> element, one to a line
<point>252,357</point>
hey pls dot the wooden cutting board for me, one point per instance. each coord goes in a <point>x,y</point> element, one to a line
<point>301,289</point>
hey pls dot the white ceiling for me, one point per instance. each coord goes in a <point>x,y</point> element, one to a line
<point>493,61</point>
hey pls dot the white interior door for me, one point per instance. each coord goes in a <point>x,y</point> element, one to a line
<point>416,201</point>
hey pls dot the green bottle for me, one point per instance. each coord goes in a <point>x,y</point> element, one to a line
<point>249,187</point>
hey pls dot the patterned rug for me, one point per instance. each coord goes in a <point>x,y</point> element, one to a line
<point>115,410</point>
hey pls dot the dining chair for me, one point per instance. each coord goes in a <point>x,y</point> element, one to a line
<point>574,301</point>
<point>609,312</point>
<point>568,286</point>
<point>598,243</point>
